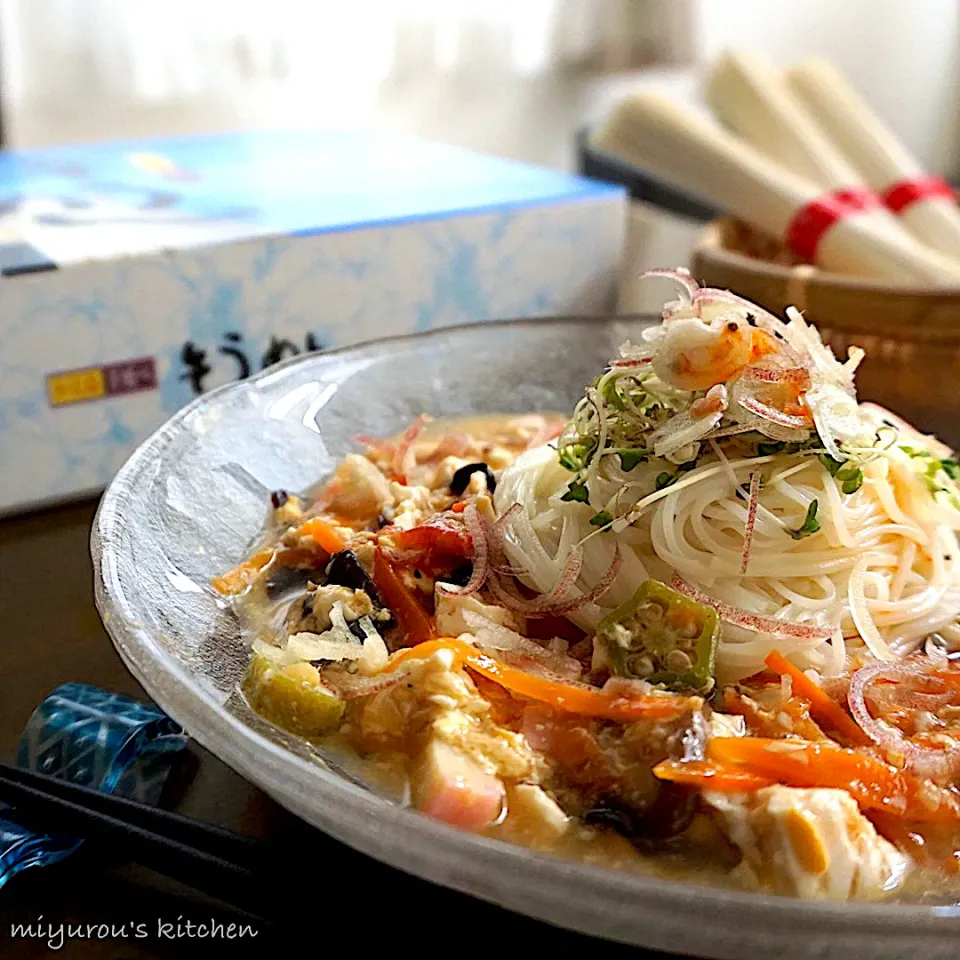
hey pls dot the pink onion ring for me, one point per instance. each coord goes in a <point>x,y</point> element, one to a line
<point>679,276</point>
<point>751,519</point>
<point>941,765</point>
<point>481,555</point>
<point>752,621</point>
<point>403,461</point>
<point>626,364</point>
<point>716,295</point>
<point>911,699</point>
<point>530,607</point>
<point>767,412</point>
<point>914,699</point>
<point>797,375</point>
<point>553,604</point>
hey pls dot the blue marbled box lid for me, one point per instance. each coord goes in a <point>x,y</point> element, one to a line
<point>233,186</point>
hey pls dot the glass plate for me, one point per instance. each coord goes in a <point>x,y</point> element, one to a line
<point>188,503</point>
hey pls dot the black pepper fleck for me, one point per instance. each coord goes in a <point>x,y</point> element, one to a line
<point>278,498</point>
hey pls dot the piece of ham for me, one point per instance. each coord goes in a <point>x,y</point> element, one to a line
<point>451,787</point>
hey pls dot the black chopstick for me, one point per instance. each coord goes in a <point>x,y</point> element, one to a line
<point>209,837</point>
<point>223,864</point>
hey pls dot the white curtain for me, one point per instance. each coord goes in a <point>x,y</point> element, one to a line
<point>467,70</point>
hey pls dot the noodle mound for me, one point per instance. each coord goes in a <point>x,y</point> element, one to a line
<point>774,493</point>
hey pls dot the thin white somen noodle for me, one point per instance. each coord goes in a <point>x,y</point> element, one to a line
<point>879,568</point>
<point>722,457</point>
<point>865,624</point>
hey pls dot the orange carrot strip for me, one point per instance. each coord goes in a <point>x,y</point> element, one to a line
<point>706,775</point>
<point>414,622</point>
<point>821,706</point>
<point>427,649</point>
<point>874,784</point>
<point>325,534</point>
<point>577,699</point>
<point>242,576</point>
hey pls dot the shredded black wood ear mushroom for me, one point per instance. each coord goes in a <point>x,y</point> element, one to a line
<point>461,479</point>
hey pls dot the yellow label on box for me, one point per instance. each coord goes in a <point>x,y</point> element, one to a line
<point>76,386</point>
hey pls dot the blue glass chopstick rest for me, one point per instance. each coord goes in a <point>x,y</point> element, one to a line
<point>93,738</point>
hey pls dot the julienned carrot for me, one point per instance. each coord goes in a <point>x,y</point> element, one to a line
<point>824,708</point>
<point>577,699</point>
<point>242,576</point>
<point>427,649</point>
<point>707,775</point>
<point>324,533</point>
<point>874,784</point>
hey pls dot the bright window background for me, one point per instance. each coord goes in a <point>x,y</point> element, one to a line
<point>514,77</point>
<point>506,76</point>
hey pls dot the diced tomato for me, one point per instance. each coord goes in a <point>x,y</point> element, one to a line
<point>437,547</point>
<point>451,787</point>
<point>415,623</point>
<point>439,535</point>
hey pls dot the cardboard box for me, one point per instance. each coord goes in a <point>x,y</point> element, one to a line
<point>138,275</point>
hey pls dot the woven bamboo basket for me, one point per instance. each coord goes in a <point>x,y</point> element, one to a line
<point>912,337</point>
